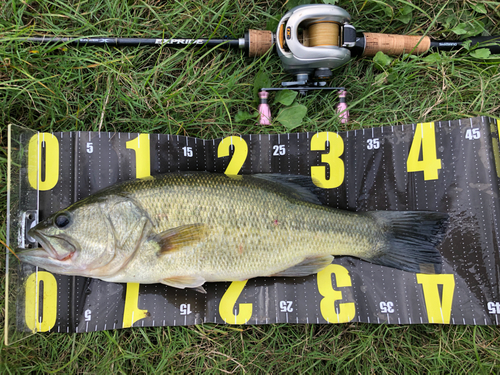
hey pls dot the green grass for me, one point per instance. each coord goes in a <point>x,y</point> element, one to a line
<point>198,93</point>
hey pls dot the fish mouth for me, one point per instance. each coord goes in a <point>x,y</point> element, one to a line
<point>36,253</point>
<point>48,250</point>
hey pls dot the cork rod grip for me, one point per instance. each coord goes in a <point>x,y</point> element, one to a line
<point>260,41</point>
<point>395,44</point>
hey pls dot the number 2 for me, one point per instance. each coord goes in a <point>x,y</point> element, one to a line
<point>239,156</point>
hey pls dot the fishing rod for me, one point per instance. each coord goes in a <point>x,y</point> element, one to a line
<point>311,40</point>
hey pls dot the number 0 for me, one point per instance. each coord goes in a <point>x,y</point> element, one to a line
<point>38,143</point>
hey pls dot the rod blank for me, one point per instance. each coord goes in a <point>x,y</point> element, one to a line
<point>132,42</point>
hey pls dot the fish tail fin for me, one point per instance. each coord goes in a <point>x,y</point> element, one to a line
<point>411,240</point>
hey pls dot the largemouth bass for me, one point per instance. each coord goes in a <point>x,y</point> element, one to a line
<point>185,229</point>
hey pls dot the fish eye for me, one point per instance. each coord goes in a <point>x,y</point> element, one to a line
<point>62,220</point>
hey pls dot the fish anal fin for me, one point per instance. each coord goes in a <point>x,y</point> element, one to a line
<point>308,266</point>
<point>176,238</point>
<point>182,282</point>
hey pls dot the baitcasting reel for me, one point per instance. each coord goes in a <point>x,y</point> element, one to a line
<point>311,40</point>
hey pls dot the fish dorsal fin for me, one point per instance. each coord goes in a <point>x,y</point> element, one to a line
<point>176,238</point>
<point>183,282</point>
<point>307,267</point>
<point>295,186</point>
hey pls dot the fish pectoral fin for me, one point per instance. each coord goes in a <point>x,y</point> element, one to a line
<point>176,238</point>
<point>183,282</point>
<point>307,267</point>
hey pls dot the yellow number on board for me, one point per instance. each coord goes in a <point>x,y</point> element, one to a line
<point>141,146</point>
<point>35,152</point>
<point>496,148</point>
<point>346,311</point>
<point>438,310</point>
<point>34,320</point>
<point>425,140</point>
<point>131,312</point>
<point>318,172</point>
<point>239,156</point>
<point>228,302</point>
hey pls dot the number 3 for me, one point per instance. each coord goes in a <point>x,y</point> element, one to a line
<point>318,172</point>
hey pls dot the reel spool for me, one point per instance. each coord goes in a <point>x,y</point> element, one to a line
<point>322,34</point>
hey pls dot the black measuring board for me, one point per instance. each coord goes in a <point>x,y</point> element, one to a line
<point>451,166</point>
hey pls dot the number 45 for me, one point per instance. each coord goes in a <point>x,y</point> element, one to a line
<point>472,134</point>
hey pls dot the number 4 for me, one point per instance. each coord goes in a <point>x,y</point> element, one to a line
<point>425,140</point>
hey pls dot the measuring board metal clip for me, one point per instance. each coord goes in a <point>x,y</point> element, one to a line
<point>28,219</point>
